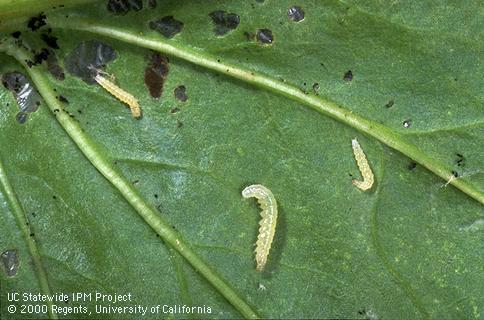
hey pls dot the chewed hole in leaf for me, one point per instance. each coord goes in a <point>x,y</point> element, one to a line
<point>156,73</point>
<point>10,262</point>
<point>121,7</point>
<point>180,93</point>
<point>27,97</point>
<point>88,56</point>
<point>265,36</point>
<point>295,13</point>
<point>167,26</point>
<point>224,21</point>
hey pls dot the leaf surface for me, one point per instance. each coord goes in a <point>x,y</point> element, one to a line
<point>410,247</point>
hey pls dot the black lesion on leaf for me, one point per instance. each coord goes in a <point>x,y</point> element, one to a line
<point>295,13</point>
<point>121,7</point>
<point>37,22</point>
<point>16,34</point>
<point>167,26</point>
<point>265,36</point>
<point>224,21</point>
<point>348,76</point>
<point>88,54</point>
<point>180,93</point>
<point>407,123</point>
<point>156,73</point>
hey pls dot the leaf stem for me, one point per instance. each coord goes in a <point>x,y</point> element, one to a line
<point>21,219</point>
<point>99,159</point>
<point>371,128</point>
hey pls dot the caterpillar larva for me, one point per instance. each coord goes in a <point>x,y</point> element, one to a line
<point>119,93</point>
<point>364,167</point>
<point>267,228</point>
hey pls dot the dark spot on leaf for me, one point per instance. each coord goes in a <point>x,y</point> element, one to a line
<point>224,21</point>
<point>32,234</point>
<point>412,165</point>
<point>179,124</point>
<point>38,57</point>
<point>455,173</point>
<point>295,13</point>
<point>35,23</point>
<point>167,26</point>
<point>63,99</point>
<point>152,4</point>
<point>54,197</point>
<point>16,34</point>
<point>389,104</point>
<point>10,262</point>
<point>265,36</point>
<point>407,123</point>
<point>156,73</point>
<point>461,161</point>
<point>175,110</point>
<point>348,76</point>
<point>180,93</point>
<point>315,86</point>
<point>51,41</point>
<point>88,53</point>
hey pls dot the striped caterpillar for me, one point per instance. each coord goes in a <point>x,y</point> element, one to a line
<point>267,228</point>
<point>117,92</point>
<point>364,167</point>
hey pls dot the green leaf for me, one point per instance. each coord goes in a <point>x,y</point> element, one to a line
<point>410,247</point>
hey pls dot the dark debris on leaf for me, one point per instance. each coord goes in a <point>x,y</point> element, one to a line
<point>167,26</point>
<point>389,104</point>
<point>49,40</point>
<point>37,22</point>
<point>224,21</point>
<point>295,13</point>
<point>88,53</point>
<point>180,93</point>
<point>16,34</point>
<point>412,165</point>
<point>265,36</point>
<point>156,73</point>
<point>348,76</point>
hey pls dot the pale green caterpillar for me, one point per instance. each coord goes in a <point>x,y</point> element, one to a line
<point>364,167</point>
<point>267,228</point>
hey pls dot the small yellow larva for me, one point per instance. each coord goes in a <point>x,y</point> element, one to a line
<point>267,228</point>
<point>364,167</point>
<point>119,93</point>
